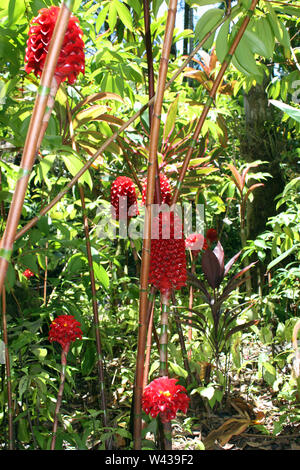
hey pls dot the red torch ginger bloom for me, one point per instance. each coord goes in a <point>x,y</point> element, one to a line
<point>163,396</point>
<point>65,329</point>
<point>71,58</point>
<point>167,258</point>
<point>123,187</point>
<point>27,273</point>
<point>165,189</point>
<point>212,235</point>
<point>196,242</point>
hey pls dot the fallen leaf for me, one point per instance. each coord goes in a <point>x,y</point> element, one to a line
<point>231,427</point>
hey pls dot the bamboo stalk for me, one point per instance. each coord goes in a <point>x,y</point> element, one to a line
<point>154,135</point>
<point>111,139</point>
<point>8,374</point>
<point>32,138</point>
<point>211,97</point>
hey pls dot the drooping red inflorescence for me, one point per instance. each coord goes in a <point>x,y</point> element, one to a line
<point>165,188</point>
<point>65,329</point>
<point>167,258</point>
<point>27,273</point>
<point>163,396</point>
<point>196,242</point>
<point>123,187</point>
<point>212,235</point>
<point>71,59</point>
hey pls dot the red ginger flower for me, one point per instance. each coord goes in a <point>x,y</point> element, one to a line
<point>163,396</point>
<point>212,235</point>
<point>167,258</point>
<point>27,273</point>
<point>71,58</point>
<point>165,189</point>
<point>196,242</point>
<point>65,329</point>
<point>124,187</point>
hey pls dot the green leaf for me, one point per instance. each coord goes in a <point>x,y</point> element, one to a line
<point>124,15</point>
<point>16,9</point>
<point>206,23</point>
<point>112,16</point>
<point>101,275</point>
<point>101,17</point>
<point>178,370</point>
<point>74,165</point>
<point>292,112</point>
<point>281,257</point>
<point>244,60</point>
<point>222,45</point>
<point>171,117</point>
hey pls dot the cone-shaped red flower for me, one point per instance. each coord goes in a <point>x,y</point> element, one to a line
<point>167,258</point>
<point>163,396</point>
<point>196,242</point>
<point>212,235</point>
<point>165,188</point>
<point>27,273</point>
<point>123,197</point>
<point>65,329</point>
<point>71,59</point>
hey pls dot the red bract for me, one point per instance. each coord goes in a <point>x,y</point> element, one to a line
<point>167,259</point>
<point>27,273</point>
<point>163,396</point>
<point>212,235</point>
<point>165,189</point>
<point>71,58</point>
<point>123,187</point>
<point>196,242</point>
<point>65,329</point>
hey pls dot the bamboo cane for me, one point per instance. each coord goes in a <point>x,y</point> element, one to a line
<point>111,139</point>
<point>8,376</point>
<point>211,97</point>
<point>32,137</point>
<point>64,354</point>
<point>154,135</point>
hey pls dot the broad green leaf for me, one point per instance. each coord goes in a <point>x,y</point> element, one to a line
<point>207,21</point>
<point>74,165</point>
<point>101,17</point>
<point>171,118</point>
<point>292,112</point>
<point>101,275</point>
<point>244,60</point>
<point>89,114</point>
<point>278,27</point>
<point>282,257</point>
<point>222,45</point>
<point>178,370</point>
<point>112,16</point>
<point>16,9</point>
<point>124,15</point>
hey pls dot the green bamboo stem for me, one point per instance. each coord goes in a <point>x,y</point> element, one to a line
<point>111,139</point>
<point>64,354</point>
<point>151,304</point>
<point>211,97</point>
<point>154,135</point>
<point>32,138</point>
<point>8,374</point>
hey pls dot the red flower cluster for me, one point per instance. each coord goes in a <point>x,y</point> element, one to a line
<point>163,396</point>
<point>196,242</point>
<point>212,235</point>
<point>27,273</point>
<point>65,329</point>
<point>71,59</point>
<point>167,258</point>
<point>124,187</point>
<point>165,189</point>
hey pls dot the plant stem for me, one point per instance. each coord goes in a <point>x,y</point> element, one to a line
<point>211,97</point>
<point>154,136</point>
<point>93,285</point>
<point>64,354</point>
<point>32,138</point>
<point>163,359</point>
<point>191,301</point>
<point>8,374</point>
